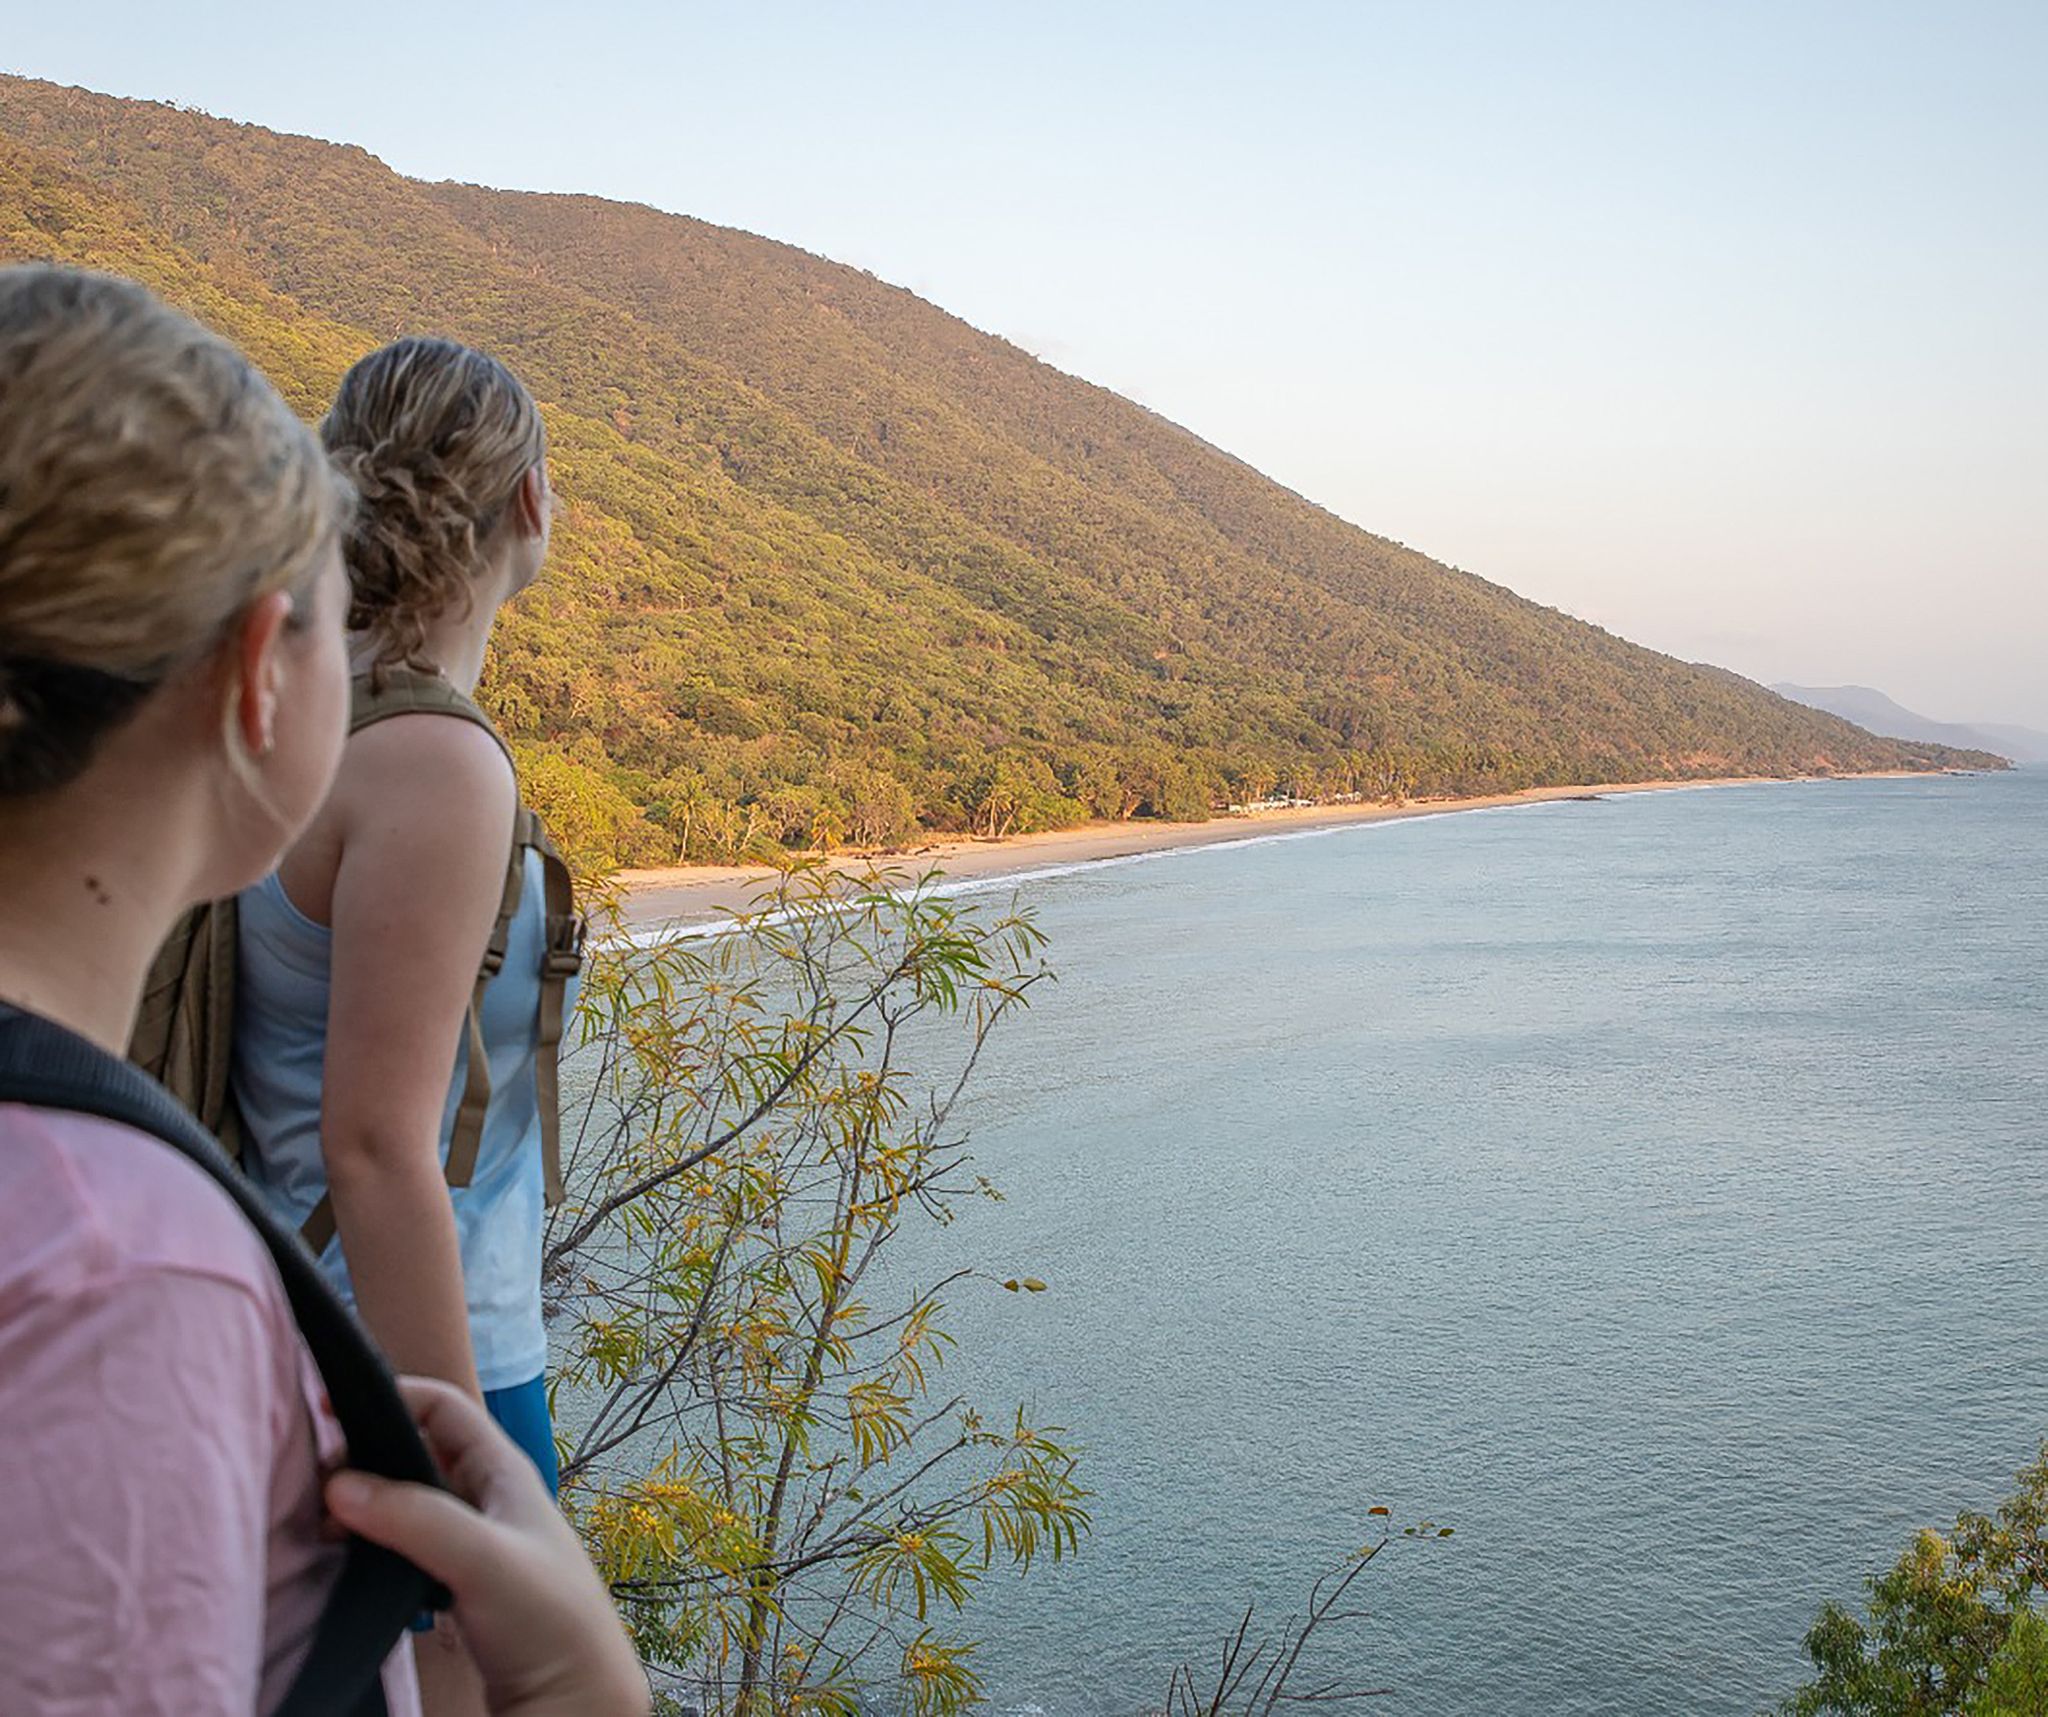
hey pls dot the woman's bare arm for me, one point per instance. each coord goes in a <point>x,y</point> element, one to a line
<point>426,806</point>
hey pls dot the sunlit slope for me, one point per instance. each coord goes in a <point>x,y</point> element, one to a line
<point>835,564</point>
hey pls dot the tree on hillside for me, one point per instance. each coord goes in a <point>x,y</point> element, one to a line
<point>1949,1630</point>
<point>759,1450</point>
<point>2016,1683</point>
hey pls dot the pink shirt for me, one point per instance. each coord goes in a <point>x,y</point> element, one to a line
<point>162,1438</point>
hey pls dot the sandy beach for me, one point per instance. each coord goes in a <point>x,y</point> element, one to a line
<point>697,894</point>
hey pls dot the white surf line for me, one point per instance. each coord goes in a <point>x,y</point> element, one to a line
<point>946,888</point>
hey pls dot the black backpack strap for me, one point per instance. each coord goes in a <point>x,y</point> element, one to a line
<point>378,1593</point>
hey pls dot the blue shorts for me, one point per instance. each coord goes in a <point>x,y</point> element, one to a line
<point>522,1414</point>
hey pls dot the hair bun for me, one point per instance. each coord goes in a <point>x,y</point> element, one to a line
<point>436,437</point>
<point>413,545</point>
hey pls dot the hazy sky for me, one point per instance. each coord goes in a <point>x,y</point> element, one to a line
<point>1720,324</point>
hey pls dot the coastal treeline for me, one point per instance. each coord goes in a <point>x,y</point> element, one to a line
<point>834,567</point>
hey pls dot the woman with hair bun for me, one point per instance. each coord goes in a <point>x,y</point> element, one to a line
<point>173,694</point>
<point>402,972</point>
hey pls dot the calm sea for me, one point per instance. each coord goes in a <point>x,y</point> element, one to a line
<point>1655,1190</point>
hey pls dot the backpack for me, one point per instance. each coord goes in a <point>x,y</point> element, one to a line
<point>184,1030</point>
<point>378,1593</point>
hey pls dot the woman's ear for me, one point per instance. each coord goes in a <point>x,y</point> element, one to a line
<point>530,501</point>
<point>258,638</point>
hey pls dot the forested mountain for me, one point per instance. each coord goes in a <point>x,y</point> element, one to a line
<point>833,565</point>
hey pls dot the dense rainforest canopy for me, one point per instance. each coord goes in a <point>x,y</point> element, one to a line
<point>834,566</point>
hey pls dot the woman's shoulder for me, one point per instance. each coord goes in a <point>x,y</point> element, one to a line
<point>155,1398</point>
<point>416,792</point>
<point>85,1201</point>
<point>428,759</point>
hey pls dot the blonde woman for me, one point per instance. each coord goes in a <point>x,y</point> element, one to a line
<point>365,1043</point>
<point>173,693</point>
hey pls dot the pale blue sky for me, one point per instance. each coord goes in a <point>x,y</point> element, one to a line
<point>1720,324</point>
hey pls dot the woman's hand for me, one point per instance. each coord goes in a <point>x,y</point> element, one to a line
<point>532,1611</point>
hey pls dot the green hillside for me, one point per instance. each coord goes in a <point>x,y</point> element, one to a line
<point>832,564</point>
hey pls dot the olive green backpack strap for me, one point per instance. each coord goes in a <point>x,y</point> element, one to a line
<point>562,960</point>
<point>185,1027</point>
<point>376,697</point>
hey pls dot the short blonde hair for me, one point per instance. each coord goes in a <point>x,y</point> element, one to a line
<point>436,437</point>
<point>152,486</point>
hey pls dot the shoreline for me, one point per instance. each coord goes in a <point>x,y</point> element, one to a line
<point>687,896</point>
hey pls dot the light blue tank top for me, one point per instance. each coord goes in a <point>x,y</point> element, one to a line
<point>281,990</point>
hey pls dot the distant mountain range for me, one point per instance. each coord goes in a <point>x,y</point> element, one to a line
<point>833,565</point>
<point>1873,711</point>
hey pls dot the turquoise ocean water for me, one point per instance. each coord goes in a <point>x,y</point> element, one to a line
<point>1656,1190</point>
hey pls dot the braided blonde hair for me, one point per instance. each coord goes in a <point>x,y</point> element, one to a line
<point>436,437</point>
<point>152,486</point>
